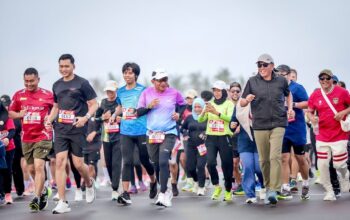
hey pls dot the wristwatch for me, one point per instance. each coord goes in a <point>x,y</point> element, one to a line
<point>88,116</point>
<point>294,105</point>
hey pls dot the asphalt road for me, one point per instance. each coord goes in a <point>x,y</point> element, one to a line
<point>186,206</point>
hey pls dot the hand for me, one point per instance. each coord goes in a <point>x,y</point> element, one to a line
<point>238,130</point>
<point>185,138</point>
<point>233,125</point>
<point>80,122</point>
<point>119,119</point>
<point>112,119</point>
<point>175,116</point>
<point>91,137</point>
<point>340,115</point>
<point>250,97</point>
<point>210,108</point>
<point>314,120</point>
<point>153,103</point>
<point>6,141</point>
<point>106,115</point>
<point>22,113</point>
<point>291,114</point>
<point>47,123</point>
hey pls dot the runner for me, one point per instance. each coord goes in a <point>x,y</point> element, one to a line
<point>267,93</point>
<point>7,132</point>
<point>111,137</point>
<point>133,131</point>
<point>218,113</point>
<point>295,137</point>
<point>196,152</point>
<point>32,105</point>
<point>332,105</point>
<point>159,103</point>
<point>74,104</point>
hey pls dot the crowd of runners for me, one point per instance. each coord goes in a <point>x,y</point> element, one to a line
<point>267,136</point>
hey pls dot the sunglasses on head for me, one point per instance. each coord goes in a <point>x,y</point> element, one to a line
<point>263,65</point>
<point>321,78</point>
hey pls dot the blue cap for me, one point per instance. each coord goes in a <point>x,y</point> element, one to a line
<point>335,78</point>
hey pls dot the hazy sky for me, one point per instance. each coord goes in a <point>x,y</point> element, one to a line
<point>182,36</point>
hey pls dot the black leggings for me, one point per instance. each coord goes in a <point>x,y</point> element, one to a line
<point>137,166</point>
<point>6,174</point>
<point>128,144</point>
<point>17,172</point>
<point>219,144</point>
<point>113,158</point>
<point>75,172</point>
<point>195,164</point>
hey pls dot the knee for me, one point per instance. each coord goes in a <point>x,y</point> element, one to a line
<point>285,158</point>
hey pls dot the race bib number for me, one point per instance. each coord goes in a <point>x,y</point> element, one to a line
<point>156,137</point>
<point>3,134</point>
<point>66,117</point>
<point>216,126</point>
<point>129,114</point>
<point>32,118</point>
<point>111,128</point>
<point>202,149</point>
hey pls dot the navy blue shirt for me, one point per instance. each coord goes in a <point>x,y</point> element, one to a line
<point>296,130</point>
<point>244,144</point>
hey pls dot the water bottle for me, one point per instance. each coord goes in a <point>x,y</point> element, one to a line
<point>315,125</point>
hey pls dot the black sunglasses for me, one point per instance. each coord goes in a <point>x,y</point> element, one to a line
<point>263,65</point>
<point>165,79</point>
<point>325,78</point>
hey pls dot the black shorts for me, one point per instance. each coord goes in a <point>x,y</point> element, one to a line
<point>307,148</point>
<point>92,158</point>
<point>288,144</point>
<point>73,143</point>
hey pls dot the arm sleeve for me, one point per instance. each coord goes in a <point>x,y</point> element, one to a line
<point>184,127</point>
<point>203,118</point>
<point>286,88</point>
<point>229,112</point>
<point>234,119</point>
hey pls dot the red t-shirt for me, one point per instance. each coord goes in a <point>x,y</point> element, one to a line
<point>329,128</point>
<point>9,125</point>
<point>38,105</point>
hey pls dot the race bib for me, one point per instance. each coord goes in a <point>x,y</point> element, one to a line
<point>66,117</point>
<point>32,118</point>
<point>3,134</point>
<point>156,137</point>
<point>202,149</point>
<point>216,126</point>
<point>129,114</point>
<point>111,128</point>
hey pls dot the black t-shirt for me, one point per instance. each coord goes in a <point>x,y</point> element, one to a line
<point>71,97</point>
<point>110,105</point>
<point>195,131</point>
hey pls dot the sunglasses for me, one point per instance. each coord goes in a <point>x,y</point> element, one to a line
<point>325,78</point>
<point>263,65</point>
<point>235,91</point>
<point>165,79</point>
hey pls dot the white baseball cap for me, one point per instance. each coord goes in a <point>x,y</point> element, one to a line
<point>219,84</point>
<point>111,85</point>
<point>159,74</point>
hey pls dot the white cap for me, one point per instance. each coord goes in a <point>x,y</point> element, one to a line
<point>191,93</point>
<point>159,74</point>
<point>266,58</point>
<point>219,85</point>
<point>111,85</point>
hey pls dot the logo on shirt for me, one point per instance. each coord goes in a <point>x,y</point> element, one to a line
<point>319,102</point>
<point>335,100</point>
<point>23,98</point>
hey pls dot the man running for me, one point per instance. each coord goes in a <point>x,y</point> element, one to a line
<point>74,104</point>
<point>133,131</point>
<point>32,105</point>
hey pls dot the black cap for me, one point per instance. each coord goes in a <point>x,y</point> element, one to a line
<point>6,100</point>
<point>283,68</point>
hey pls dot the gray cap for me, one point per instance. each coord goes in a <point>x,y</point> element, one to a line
<point>266,58</point>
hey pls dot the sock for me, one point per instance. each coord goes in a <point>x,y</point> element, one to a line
<point>105,173</point>
<point>305,182</point>
<point>286,186</point>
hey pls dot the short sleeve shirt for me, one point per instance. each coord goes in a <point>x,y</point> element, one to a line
<point>329,128</point>
<point>71,97</point>
<point>38,105</point>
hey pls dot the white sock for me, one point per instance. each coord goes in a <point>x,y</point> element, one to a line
<point>305,182</point>
<point>105,173</point>
<point>286,186</point>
